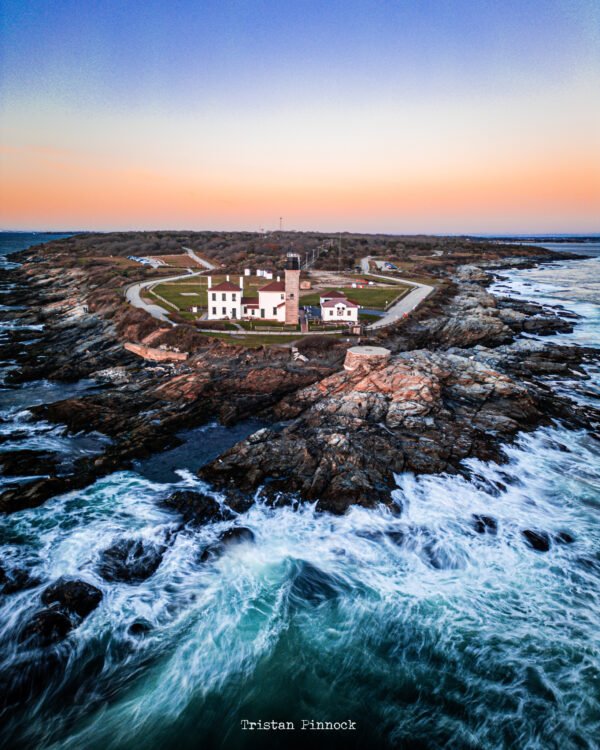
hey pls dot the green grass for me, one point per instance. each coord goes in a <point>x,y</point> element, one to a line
<point>251,325</point>
<point>377,298</point>
<point>173,293</point>
<point>367,318</point>
<point>253,341</point>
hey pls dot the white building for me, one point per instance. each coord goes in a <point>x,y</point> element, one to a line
<point>336,308</point>
<point>270,304</point>
<point>331,294</point>
<point>225,299</point>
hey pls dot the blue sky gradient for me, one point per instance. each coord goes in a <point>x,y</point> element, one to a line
<point>240,72</point>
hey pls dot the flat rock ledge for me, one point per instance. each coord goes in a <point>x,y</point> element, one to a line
<point>366,357</point>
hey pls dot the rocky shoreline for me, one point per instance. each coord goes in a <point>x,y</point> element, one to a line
<point>461,381</point>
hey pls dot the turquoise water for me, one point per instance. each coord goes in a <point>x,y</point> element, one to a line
<point>449,639</point>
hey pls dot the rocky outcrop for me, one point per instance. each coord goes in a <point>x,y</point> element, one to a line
<point>423,412</point>
<point>463,314</point>
<point>456,394</point>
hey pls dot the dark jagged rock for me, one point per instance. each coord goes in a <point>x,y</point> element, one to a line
<point>538,540</point>
<point>13,580</point>
<point>196,507</point>
<point>46,627</point>
<point>72,596</point>
<point>28,462</point>
<point>484,524</point>
<point>131,560</point>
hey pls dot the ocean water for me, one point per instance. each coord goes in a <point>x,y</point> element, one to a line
<point>425,633</point>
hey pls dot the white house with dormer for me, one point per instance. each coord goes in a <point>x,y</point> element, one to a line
<point>337,308</point>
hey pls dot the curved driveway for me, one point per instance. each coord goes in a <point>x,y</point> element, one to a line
<point>403,306</point>
<point>133,296</point>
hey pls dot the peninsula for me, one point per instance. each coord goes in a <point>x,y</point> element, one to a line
<point>459,380</point>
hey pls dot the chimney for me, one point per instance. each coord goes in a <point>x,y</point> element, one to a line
<point>227,277</point>
<point>241,282</point>
<point>209,282</point>
<point>278,278</point>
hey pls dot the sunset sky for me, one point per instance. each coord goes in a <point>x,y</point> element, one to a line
<point>476,116</point>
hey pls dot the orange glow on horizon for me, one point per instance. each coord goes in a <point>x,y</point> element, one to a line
<point>62,193</point>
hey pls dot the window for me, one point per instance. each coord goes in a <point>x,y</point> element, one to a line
<point>275,311</point>
<point>245,311</point>
<point>233,296</point>
<point>340,310</point>
<point>223,296</point>
<point>291,295</point>
<point>214,311</point>
<point>262,312</point>
<point>214,296</point>
<point>224,311</point>
<point>282,296</point>
<point>330,313</point>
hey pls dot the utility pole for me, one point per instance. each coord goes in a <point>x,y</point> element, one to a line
<point>340,253</point>
<point>280,223</point>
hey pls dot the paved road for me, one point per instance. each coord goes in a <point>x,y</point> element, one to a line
<point>200,261</point>
<point>133,293</point>
<point>134,298</point>
<point>404,306</point>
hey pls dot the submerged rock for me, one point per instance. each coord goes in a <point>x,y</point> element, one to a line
<point>236,535</point>
<point>73,596</point>
<point>484,524</point>
<point>230,537</point>
<point>13,580</point>
<point>196,507</point>
<point>131,560</point>
<point>397,536</point>
<point>563,537</point>
<point>314,586</point>
<point>46,627</point>
<point>538,540</point>
<point>139,628</point>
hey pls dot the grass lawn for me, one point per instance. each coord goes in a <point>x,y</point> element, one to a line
<point>180,292</point>
<point>377,298</point>
<point>366,318</point>
<point>253,341</point>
